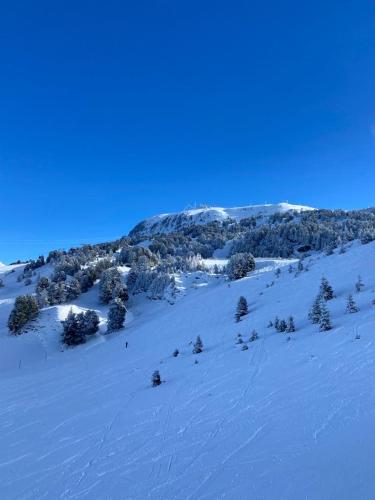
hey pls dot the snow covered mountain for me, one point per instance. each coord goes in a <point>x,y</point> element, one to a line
<point>166,223</point>
<point>290,416</point>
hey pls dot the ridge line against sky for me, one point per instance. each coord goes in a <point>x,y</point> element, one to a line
<point>114,112</point>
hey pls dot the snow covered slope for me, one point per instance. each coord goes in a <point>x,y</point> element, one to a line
<point>166,223</point>
<point>282,420</point>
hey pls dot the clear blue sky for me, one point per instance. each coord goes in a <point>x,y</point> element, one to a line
<point>113,111</point>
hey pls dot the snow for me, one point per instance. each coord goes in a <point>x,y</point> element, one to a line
<point>284,419</point>
<point>165,223</point>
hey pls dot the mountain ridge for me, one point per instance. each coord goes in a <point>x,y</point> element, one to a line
<point>170,222</point>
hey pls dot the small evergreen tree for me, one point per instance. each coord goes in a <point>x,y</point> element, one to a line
<point>198,346</point>
<point>242,308</point>
<point>315,311</point>
<point>278,272</point>
<point>176,352</point>
<point>359,285</point>
<point>277,324</point>
<point>73,289</point>
<point>239,265</point>
<point>290,327</point>
<point>254,336</point>
<point>90,322</point>
<point>282,326</point>
<point>239,339</point>
<point>244,348</point>
<point>325,319</point>
<point>300,267</point>
<point>326,290</point>
<point>73,333</point>
<point>270,324</point>
<point>57,293</point>
<point>111,286</point>
<point>116,315</point>
<point>42,291</point>
<point>351,306</point>
<point>25,309</point>
<point>155,379</point>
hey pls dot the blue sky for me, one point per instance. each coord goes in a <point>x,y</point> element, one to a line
<point>114,111</point>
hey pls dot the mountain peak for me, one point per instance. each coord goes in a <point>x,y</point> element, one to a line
<point>169,222</point>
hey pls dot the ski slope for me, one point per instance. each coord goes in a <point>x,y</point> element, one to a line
<point>284,419</point>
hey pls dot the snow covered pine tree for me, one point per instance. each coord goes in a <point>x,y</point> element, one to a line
<point>326,290</point>
<point>155,379</point>
<point>198,346</point>
<point>351,306</point>
<point>242,308</point>
<point>116,315</point>
<point>325,320</point>
<point>25,309</point>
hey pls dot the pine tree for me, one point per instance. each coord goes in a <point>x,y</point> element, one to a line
<point>290,327</point>
<point>278,272</point>
<point>270,324</point>
<point>25,309</point>
<point>90,322</point>
<point>73,289</point>
<point>244,348</point>
<point>111,286</point>
<point>325,320</point>
<point>42,291</point>
<point>254,336</point>
<point>351,306</point>
<point>239,265</point>
<point>277,324</point>
<point>155,379</point>
<point>176,352</point>
<point>359,285</point>
<point>42,298</point>
<point>300,266</point>
<point>132,279</point>
<point>86,278</point>
<point>282,326</point>
<point>315,312</point>
<point>326,290</point>
<point>242,308</point>
<point>198,346</point>
<point>57,293</point>
<point>116,315</point>
<point>72,331</point>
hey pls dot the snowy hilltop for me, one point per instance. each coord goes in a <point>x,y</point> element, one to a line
<point>217,362</point>
<point>167,223</point>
